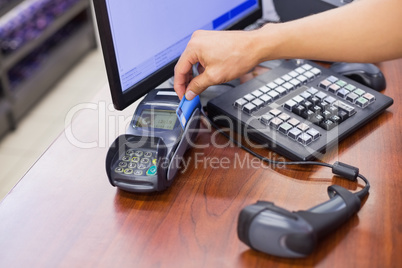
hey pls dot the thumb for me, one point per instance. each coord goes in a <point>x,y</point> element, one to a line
<point>197,85</point>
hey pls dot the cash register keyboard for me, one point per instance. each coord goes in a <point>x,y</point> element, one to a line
<point>298,110</point>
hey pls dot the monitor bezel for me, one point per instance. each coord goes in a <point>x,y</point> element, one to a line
<point>122,99</point>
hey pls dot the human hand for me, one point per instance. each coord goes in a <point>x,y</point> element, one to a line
<point>222,56</point>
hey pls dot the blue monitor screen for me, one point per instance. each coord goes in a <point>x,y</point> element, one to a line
<point>147,36</point>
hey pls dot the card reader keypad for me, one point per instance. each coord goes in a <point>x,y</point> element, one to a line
<point>137,162</point>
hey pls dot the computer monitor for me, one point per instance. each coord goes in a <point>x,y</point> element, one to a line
<point>142,40</point>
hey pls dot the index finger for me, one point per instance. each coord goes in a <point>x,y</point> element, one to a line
<point>182,72</point>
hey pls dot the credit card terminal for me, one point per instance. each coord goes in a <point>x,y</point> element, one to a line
<point>148,157</point>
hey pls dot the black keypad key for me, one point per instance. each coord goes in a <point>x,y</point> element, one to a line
<point>324,105</point>
<point>326,114</point>
<point>316,109</point>
<point>308,114</point>
<point>343,115</point>
<point>333,110</point>
<point>327,125</point>
<point>307,104</point>
<point>299,109</point>
<point>336,119</point>
<point>317,119</point>
<point>314,100</point>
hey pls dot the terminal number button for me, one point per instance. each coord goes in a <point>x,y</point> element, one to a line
<point>151,171</point>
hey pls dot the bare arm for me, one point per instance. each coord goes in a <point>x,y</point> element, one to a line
<point>364,31</point>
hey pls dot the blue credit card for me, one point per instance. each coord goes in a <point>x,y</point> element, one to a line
<point>186,109</point>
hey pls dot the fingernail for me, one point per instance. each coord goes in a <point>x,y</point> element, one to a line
<point>190,95</point>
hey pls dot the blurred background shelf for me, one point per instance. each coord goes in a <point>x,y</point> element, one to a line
<point>56,64</point>
<point>7,5</point>
<point>5,116</point>
<point>70,14</point>
<point>34,66</point>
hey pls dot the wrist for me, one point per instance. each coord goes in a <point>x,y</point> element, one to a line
<point>272,40</point>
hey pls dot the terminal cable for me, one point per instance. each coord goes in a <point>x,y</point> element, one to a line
<point>341,169</point>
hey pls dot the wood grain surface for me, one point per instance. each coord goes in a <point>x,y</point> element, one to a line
<point>64,212</point>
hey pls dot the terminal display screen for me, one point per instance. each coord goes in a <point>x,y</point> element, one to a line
<point>153,118</point>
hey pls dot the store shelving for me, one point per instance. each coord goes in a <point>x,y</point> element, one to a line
<point>30,70</point>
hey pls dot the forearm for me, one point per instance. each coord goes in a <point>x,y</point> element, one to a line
<point>364,31</point>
